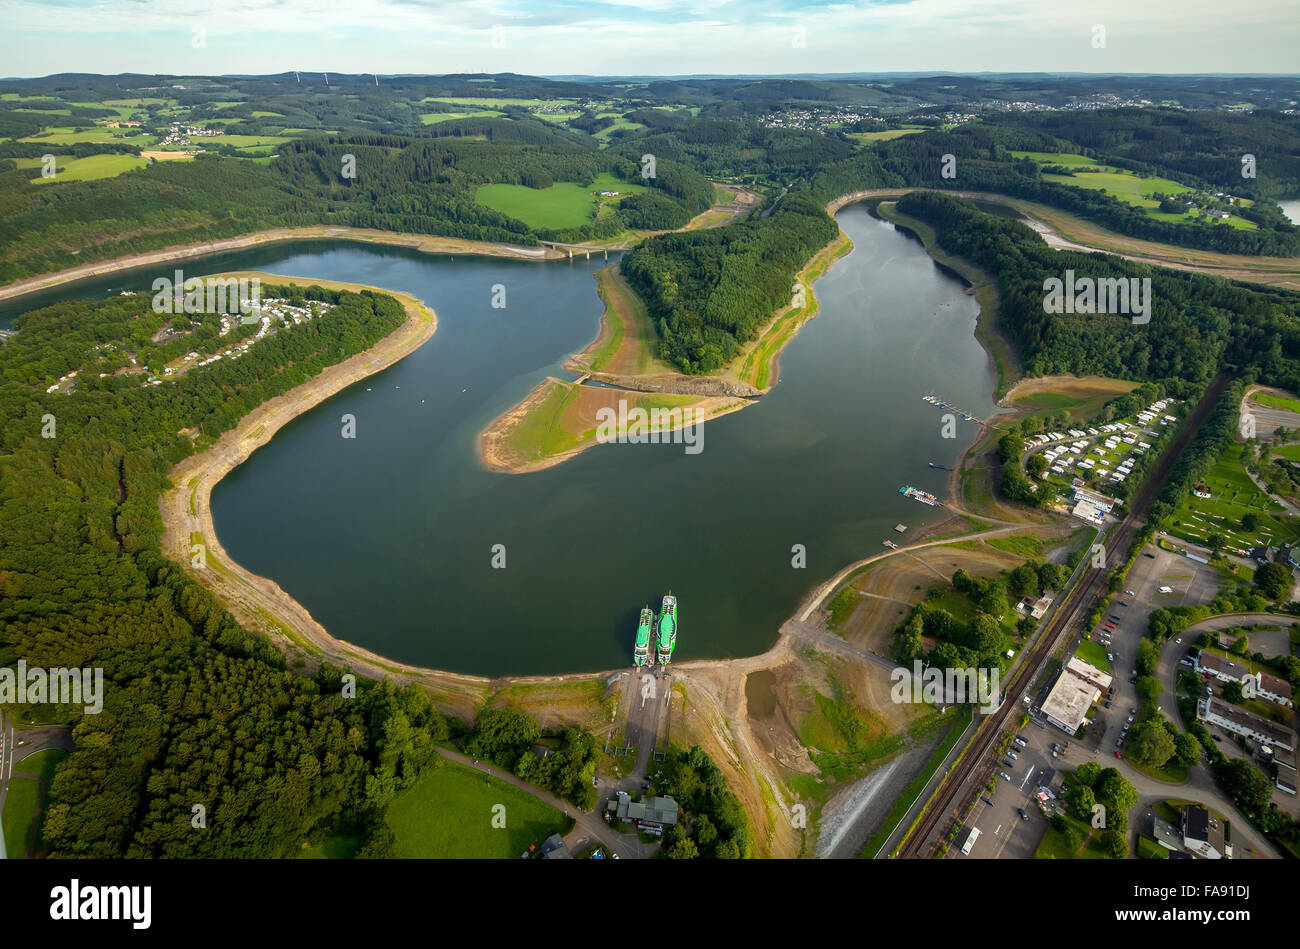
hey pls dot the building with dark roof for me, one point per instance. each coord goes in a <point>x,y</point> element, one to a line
<point>649,812</point>
<point>1263,731</point>
<point>1266,686</point>
<point>1203,833</point>
<point>554,849</point>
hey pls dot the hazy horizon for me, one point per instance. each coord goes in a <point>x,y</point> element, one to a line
<point>622,38</point>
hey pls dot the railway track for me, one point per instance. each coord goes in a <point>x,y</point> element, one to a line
<point>957,786</point>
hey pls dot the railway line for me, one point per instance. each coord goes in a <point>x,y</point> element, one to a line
<point>959,786</point>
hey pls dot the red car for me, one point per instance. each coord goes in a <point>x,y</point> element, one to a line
<point>1119,754</point>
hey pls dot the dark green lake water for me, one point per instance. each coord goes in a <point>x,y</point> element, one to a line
<point>387,539</point>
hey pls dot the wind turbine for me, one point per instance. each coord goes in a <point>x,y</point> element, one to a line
<point>327,79</point>
<point>295,76</point>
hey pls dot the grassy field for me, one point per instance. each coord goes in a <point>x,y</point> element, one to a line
<point>85,169</point>
<point>23,798</point>
<point>448,813</point>
<point>1126,185</point>
<point>1055,846</point>
<point>20,811</point>
<point>70,136</point>
<point>475,102</point>
<point>1234,496</point>
<point>885,136</point>
<point>430,118</point>
<point>562,205</point>
<point>1148,849</point>
<point>1024,545</point>
<point>1093,654</point>
<point>1276,401</point>
<point>541,432</point>
<point>629,344</point>
<point>241,141</point>
<point>1081,397</point>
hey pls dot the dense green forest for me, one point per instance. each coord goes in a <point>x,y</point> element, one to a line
<point>715,824</point>
<point>710,291</point>
<point>1197,322</point>
<point>415,186</point>
<point>197,711</point>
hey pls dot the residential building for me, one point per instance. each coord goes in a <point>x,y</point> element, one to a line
<point>1258,729</point>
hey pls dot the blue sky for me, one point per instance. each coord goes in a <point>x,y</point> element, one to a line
<point>646,37</point>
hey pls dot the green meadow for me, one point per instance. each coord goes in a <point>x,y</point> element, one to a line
<point>1276,401</point>
<point>563,204</point>
<point>1234,496</point>
<point>1126,185</point>
<point>71,136</point>
<point>84,169</point>
<point>449,811</point>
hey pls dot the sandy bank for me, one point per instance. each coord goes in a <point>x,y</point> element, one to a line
<point>426,243</point>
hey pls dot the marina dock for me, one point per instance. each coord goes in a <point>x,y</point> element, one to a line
<point>945,404</point>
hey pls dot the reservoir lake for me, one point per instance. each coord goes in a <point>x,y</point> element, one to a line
<point>387,539</point>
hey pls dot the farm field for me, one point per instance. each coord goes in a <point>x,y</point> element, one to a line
<point>494,103</point>
<point>71,136</point>
<point>84,169</point>
<point>431,118</point>
<point>243,141</point>
<point>448,813</point>
<point>885,136</point>
<point>562,205</point>
<point>1126,185</point>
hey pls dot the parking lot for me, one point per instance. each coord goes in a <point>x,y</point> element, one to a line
<point>1003,833</point>
<point>1192,584</point>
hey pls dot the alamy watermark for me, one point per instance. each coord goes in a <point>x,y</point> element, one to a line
<point>58,686</point>
<point>946,686</point>
<point>656,426</point>
<point>1119,295</point>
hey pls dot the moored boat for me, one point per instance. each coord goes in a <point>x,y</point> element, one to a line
<point>667,629</point>
<point>641,651</point>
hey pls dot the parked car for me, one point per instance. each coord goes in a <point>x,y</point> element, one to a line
<point>1021,812</point>
<point>1217,737</point>
<point>1152,556</point>
<point>1119,742</point>
<point>1118,755</point>
<point>1129,593</point>
<point>1110,656</point>
<point>1132,712</point>
<point>1021,742</point>
<point>1004,776</point>
<point>1107,703</point>
<point>1008,764</point>
<point>1114,617</point>
<point>1012,755</point>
